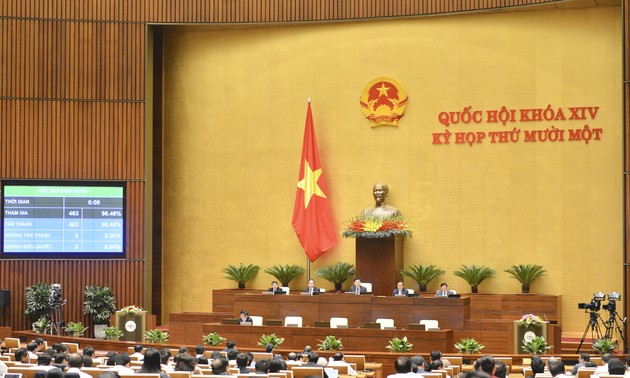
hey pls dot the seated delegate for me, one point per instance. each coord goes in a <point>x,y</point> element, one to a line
<point>311,289</point>
<point>400,290</point>
<point>243,317</point>
<point>275,288</point>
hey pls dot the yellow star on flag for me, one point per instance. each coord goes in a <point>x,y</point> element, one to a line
<point>309,183</point>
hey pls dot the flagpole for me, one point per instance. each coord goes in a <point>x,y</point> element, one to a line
<point>308,261</point>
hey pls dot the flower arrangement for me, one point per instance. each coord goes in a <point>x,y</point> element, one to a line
<point>131,309</point>
<point>376,227</point>
<point>530,320</point>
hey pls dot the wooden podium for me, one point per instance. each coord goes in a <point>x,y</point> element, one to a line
<point>379,262</point>
<point>132,325</point>
<point>527,333</point>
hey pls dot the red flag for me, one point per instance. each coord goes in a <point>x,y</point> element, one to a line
<point>311,215</point>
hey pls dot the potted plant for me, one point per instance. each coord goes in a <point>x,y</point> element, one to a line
<point>156,336</point>
<point>42,325</point>
<point>270,339</point>
<point>38,302</point>
<point>474,275</point>
<point>285,273</point>
<point>112,333</point>
<point>423,274</point>
<point>99,305</point>
<point>602,346</point>
<point>537,345</point>
<point>526,274</point>
<point>241,273</point>
<point>469,346</point>
<point>330,343</point>
<point>75,329</point>
<point>213,339</point>
<point>337,273</point>
<point>397,345</point>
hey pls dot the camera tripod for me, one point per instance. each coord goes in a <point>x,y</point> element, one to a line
<point>613,323</point>
<point>593,325</point>
<point>56,318</point>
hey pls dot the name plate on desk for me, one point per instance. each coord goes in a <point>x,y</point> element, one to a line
<point>246,323</point>
<point>266,292</point>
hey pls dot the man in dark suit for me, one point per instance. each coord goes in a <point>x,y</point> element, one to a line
<point>275,288</point>
<point>311,289</point>
<point>400,290</point>
<point>357,288</point>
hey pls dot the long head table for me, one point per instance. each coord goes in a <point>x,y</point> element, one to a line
<point>359,309</point>
<point>359,339</point>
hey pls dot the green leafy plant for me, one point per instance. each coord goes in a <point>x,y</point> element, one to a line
<point>156,336</point>
<point>474,275</point>
<point>469,346</point>
<point>38,303</point>
<point>423,274</point>
<point>99,303</point>
<point>526,274</point>
<point>337,273</point>
<point>330,343</point>
<point>113,333</point>
<point>397,345</point>
<point>241,273</point>
<point>270,339</point>
<point>602,346</point>
<point>42,325</point>
<point>538,345</point>
<point>75,329</point>
<point>285,273</point>
<point>213,339</point>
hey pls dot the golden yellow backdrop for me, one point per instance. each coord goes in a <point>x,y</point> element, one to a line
<point>235,106</point>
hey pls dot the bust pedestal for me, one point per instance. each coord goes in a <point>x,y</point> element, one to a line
<point>379,262</point>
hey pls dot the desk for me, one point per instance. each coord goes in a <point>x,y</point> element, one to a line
<point>359,309</point>
<point>357,339</point>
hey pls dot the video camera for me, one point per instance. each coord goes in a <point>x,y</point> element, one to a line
<point>612,301</point>
<point>55,295</point>
<point>595,303</point>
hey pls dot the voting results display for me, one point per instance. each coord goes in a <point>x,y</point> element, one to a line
<point>63,219</point>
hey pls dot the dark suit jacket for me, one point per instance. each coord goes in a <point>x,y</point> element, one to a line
<point>354,290</point>
<point>315,290</point>
<point>278,290</point>
<point>248,319</point>
<point>396,292</point>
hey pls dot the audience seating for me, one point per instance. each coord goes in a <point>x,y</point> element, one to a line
<point>430,324</point>
<point>341,369</point>
<point>72,347</point>
<point>179,374</point>
<point>11,343</point>
<point>442,372</point>
<point>357,359</point>
<point>303,372</point>
<point>585,372</point>
<point>338,322</point>
<point>386,323</point>
<point>278,375</point>
<point>262,355</point>
<point>26,372</point>
<point>140,375</point>
<point>295,321</point>
<point>289,373</point>
<point>94,372</point>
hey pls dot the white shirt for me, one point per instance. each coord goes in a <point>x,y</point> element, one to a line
<point>351,371</point>
<point>120,369</point>
<point>3,369</point>
<point>601,369</point>
<point>82,374</point>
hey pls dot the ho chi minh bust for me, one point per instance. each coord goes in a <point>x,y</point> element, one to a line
<point>380,191</point>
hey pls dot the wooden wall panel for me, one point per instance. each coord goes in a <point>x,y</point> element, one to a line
<point>71,60</point>
<point>124,277</point>
<point>63,139</point>
<point>229,11</point>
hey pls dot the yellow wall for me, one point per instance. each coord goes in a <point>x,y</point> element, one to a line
<point>234,119</point>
